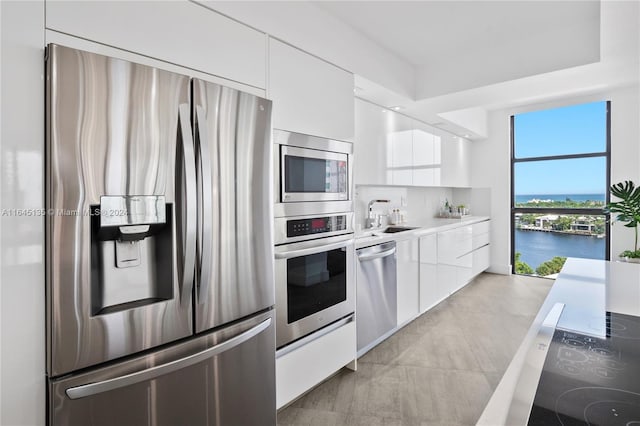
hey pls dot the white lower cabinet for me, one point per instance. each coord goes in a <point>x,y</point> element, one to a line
<point>301,369</point>
<point>464,271</point>
<point>463,253</point>
<point>431,293</point>
<point>480,260</point>
<point>429,269</point>
<point>408,280</point>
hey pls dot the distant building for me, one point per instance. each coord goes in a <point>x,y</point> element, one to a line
<point>546,221</point>
<point>582,224</point>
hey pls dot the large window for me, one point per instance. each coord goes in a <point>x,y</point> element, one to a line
<point>559,184</point>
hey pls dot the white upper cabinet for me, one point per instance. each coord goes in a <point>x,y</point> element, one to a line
<point>456,164</point>
<point>426,155</point>
<point>399,139</point>
<point>370,149</point>
<point>393,149</point>
<point>180,32</point>
<point>309,95</point>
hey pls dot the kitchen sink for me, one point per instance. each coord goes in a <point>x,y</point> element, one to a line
<point>394,229</point>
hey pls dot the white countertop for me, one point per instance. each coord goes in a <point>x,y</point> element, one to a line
<point>369,237</point>
<point>588,288</point>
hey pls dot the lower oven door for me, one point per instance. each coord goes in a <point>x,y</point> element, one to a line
<point>315,285</point>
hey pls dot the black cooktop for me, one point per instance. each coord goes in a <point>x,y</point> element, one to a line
<point>591,379</point>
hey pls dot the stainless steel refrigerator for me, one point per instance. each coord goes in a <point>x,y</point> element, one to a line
<point>160,287</point>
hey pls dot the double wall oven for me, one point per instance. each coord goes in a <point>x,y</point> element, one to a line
<point>313,233</point>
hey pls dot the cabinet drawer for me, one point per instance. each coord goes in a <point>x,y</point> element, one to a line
<point>481,227</point>
<point>481,260</point>
<point>464,272</point>
<point>480,240</point>
<point>453,244</point>
<point>303,368</point>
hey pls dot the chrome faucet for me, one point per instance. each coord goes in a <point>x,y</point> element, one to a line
<point>373,221</point>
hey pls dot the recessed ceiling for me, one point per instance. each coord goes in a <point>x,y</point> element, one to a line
<point>419,31</point>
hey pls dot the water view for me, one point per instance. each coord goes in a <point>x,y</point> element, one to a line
<point>538,247</point>
<point>559,165</point>
<point>541,238</point>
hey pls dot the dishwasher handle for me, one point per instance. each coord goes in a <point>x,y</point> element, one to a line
<point>386,253</point>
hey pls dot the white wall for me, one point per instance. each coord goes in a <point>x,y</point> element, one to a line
<point>22,289</point>
<point>491,165</point>
<point>625,153</point>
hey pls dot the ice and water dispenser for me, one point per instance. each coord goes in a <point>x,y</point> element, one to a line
<point>131,252</point>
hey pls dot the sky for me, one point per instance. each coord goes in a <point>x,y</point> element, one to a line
<point>575,129</point>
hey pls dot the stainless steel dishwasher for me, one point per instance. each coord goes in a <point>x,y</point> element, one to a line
<point>376,300</point>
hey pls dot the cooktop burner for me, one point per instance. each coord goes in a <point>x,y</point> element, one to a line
<point>617,326</point>
<point>589,380</point>
<point>600,406</point>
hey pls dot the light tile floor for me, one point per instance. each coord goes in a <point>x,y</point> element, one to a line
<point>440,369</point>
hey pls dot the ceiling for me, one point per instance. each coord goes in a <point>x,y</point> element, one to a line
<point>420,31</point>
<point>451,62</point>
<point>470,56</point>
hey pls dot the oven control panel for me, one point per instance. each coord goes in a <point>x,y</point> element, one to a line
<point>316,225</point>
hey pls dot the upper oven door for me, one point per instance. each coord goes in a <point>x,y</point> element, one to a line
<point>313,175</point>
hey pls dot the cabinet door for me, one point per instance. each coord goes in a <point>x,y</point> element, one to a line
<point>429,293</point>
<point>455,169</point>
<point>407,280</point>
<point>309,95</point>
<point>399,148</point>
<point>480,234</point>
<point>179,32</point>
<point>370,147</point>
<point>426,166</point>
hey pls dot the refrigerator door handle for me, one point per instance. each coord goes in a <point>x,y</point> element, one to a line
<point>90,389</point>
<point>189,203</point>
<point>205,234</point>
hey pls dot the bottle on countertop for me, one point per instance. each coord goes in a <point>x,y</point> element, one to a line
<point>394,218</point>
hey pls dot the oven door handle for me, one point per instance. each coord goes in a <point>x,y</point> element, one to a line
<point>311,250</point>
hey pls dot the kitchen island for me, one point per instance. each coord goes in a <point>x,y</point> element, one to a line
<point>592,313</point>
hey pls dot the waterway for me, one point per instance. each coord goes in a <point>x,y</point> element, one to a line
<point>523,198</point>
<point>538,247</point>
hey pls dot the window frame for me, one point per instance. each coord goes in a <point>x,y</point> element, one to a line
<point>542,210</point>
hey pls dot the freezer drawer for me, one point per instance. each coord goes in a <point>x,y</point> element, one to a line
<point>222,378</point>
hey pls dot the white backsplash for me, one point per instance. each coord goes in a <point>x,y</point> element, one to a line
<point>419,205</point>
